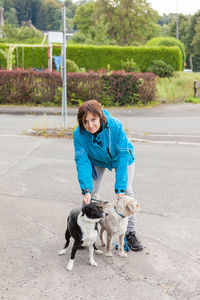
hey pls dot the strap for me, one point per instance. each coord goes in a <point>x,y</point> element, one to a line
<point>119,212</point>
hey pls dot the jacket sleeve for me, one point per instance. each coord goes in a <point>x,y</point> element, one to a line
<point>121,177</point>
<point>83,166</point>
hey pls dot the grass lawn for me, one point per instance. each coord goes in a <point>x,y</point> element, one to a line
<point>178,88</point>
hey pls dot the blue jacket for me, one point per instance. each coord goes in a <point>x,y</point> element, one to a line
<point>110,149</point>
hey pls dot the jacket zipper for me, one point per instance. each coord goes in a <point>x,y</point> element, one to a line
<point>109,153</point>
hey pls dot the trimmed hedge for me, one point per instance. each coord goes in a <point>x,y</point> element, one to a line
<point>118,88</point>
<point>94,58</point>
<point>98,57</point>
<point>28,87</point>
<point>3,61</point>
<point>169,42</point>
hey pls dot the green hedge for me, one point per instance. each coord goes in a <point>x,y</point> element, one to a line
<point>169,42</point>
<point>98,57</point>
<point>33,57</point>
<point>3,61</point>
<point>94,58</point>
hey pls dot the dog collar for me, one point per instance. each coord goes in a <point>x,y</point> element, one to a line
<point>119,212</point>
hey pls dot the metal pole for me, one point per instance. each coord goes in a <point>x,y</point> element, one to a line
<point>51,54</point>
<point>177,35</point>
<point>64,76</point>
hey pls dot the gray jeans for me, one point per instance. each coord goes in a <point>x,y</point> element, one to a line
<point>129,191</point>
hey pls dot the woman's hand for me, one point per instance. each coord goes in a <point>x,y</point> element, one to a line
<point>119,195</point>
<point>87,198</point>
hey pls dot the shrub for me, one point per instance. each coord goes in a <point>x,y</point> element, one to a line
<point>3,56</point>
<point>118,88</point>
<point>28,87</point>
<point>169,42</point>
<point>71,66</point>
<point>130,66</point>
<point>161,69</point>
<point>98,57</point>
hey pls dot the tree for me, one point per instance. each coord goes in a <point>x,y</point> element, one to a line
<point>183,26</point>
<point>8,4</point>
<point>123,22</point>
<point>166,19</point>
<point>21,34</point>
<point>83,18</point>
<point>47,15</point>
<point>196,38</point>
<point>193,57</point>
<point>11,17</point>
<point>21,8</point>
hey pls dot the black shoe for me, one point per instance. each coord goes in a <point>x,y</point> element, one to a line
<point>133,242</point>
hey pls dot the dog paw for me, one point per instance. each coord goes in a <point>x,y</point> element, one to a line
<point>70,265</point>
<point>98,251</point>
<point>62,252</point>
<point>122,254</point>
<point>109,254</point>
<point>93,263</point>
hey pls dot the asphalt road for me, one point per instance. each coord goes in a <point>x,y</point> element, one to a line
<point>38,187</point>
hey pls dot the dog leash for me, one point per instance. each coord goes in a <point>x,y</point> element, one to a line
<point>126,246</point>
<point>119,212</point>
<point>92,199</point>
<point>121,215</point>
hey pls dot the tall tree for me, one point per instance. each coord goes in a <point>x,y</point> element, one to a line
<point>126,22</point>
<point>83,18</point>
<point>21,8</point>
<point>196,38</point>
<point>11,17</point>
<point>193,56</point>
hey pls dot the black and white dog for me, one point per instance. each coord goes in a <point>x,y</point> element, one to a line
<point>82,226</point>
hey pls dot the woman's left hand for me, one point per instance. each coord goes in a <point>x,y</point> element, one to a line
<point>87,198</point>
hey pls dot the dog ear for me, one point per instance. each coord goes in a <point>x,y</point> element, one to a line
<point>137,207</point>
<point>130,207</point>
<point>133,208</point>
<point>83,210</point>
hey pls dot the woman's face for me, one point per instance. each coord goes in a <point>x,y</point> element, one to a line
<point>92,123</point>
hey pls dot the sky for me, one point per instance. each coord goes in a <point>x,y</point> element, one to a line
<point>185,7</point>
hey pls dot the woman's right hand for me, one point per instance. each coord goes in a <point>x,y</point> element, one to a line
<point>87,198</point>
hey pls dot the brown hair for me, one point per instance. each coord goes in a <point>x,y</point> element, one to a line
<point>92,106</point>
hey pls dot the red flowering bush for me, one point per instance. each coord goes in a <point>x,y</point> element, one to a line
<point>42,87</point>
<point>28,87</point>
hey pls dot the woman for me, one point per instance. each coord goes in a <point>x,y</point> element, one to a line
<point>100,142</point>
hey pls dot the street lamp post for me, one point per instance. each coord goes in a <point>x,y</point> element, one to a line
<point>177,35</point>
<point>64,69</point>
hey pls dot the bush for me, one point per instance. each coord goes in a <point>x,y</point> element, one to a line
<point>71,66</point>
<point>28,87</point>
<point>3,56</point>
<point>119,88</point>
<point>161,69</point>
<point>98,57</point>
<point>169,42</point>
<point>130,66</point>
